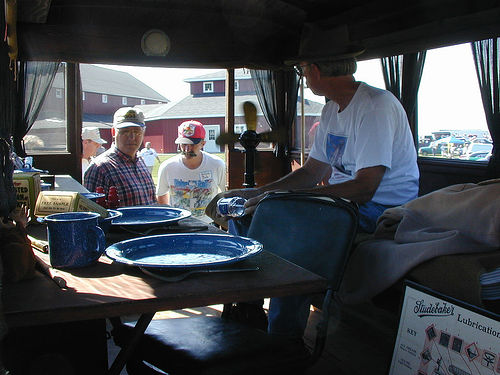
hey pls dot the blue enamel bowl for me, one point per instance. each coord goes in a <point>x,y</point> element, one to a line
<point>105,223</point>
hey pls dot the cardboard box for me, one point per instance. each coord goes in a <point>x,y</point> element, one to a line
<point>27,185</point>
<point>52,202</point>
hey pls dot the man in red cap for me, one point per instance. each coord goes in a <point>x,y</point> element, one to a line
<point>191,179</point>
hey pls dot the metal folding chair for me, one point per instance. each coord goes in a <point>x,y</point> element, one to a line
<point>315,232</point>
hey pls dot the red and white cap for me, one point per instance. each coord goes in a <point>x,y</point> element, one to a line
<point>190,133</point>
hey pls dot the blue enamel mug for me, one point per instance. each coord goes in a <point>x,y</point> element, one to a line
<point>75,239</point>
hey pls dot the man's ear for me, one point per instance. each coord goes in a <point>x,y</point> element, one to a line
<point>314,70</point>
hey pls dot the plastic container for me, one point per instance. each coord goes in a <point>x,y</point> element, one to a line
<point>101,200</point>
<point>234,207</point>
<point>113,201</point>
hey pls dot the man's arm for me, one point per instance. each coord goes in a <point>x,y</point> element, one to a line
<point>307,176</point>
<point>93,178</point>
<point>360,189</point>
<point>163,199</point>
<point>162,186</point>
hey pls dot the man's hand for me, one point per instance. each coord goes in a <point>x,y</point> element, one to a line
<point>251,204</point>
<point>251,194</point>
<point>20,215</point>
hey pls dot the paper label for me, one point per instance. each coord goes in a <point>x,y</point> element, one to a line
<point>51,202</point>
<point>27,187</point>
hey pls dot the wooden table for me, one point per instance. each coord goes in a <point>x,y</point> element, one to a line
<point>108,289</point>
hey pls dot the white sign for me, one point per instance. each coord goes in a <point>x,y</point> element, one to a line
<point>438,335</point>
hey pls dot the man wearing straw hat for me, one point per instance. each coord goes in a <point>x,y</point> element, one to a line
<point>91,141</point>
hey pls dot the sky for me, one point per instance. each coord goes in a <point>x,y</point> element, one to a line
<point>449,96</point>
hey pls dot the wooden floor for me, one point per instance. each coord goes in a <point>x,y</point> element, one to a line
<point>360,343</point>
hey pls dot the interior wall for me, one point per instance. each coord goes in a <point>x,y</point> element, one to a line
<point>437,174</point>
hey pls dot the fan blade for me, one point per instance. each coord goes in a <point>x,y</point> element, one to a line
<point>227,138</point>
<point>274,136</point>
<point>250,112</point>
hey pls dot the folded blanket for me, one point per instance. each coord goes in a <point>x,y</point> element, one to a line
<point>458,219</point>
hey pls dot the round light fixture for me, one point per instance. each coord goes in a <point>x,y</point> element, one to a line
<point>155,43</point>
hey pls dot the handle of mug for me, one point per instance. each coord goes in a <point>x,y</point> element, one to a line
<point>101,241</point>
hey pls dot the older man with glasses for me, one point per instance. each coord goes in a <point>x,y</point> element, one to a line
<point>120,166</point>
<point>363,137</point>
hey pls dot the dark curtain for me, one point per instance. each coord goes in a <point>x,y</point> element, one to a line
<point>391,69</point>
<point>486,59</point>
<point>279,111</point>
<point>36,78</point>
<point>8,100</point>
<point>402,75</point>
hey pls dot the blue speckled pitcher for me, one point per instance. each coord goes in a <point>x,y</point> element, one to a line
<point>75,239</point>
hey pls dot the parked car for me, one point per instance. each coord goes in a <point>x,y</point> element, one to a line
<point>477,147</point>
<point>482,140</point>
<point>479,155</point>
<point>433,149</point>
<point>486,158</point>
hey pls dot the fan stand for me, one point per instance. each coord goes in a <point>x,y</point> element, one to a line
<point>249,139</point>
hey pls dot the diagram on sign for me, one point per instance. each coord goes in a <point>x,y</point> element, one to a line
<point>444,353</point>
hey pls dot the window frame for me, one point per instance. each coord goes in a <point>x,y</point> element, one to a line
<point>208,90</point>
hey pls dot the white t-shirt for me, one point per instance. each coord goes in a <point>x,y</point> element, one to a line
<point>149,156</point>
<point>372,130</point>
<point>192,189</point>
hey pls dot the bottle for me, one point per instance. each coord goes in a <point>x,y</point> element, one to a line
<point>234,207</point>
<point>101,201</point>
<point>113,201</point>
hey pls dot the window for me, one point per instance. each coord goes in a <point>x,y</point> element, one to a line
<point>211,134</point>
<point>48,133</point>
<point>239,128</point>
<point>59,93</point>
<point>236,85</point>
<point>124,100</point>
<point>83,95</point>
<point>143,101</point>
<point>104,98</point>
<point>208,87</point>
<point>451,120</point>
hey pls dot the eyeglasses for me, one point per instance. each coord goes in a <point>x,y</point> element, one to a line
<point>299,69</point>
<point>133,131</point>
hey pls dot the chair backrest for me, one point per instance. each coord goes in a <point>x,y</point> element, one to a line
<point>313,231</point>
